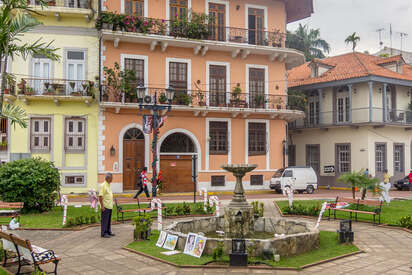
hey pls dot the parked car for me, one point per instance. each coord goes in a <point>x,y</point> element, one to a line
<point>302,178</point>
<point>403,184</point>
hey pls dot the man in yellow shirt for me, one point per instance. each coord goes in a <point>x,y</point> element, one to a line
<point>106,203</point>
<point>386,177</point>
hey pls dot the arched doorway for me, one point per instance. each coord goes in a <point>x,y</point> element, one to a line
<point>133,157</point>
<point>176,153</point>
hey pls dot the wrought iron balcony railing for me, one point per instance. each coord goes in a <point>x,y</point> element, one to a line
<point>56,87</point>
<point>198,98</point>
<point>79,4</point>
<point>176,28</point>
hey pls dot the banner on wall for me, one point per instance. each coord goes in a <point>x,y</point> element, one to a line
<point>147,124</point>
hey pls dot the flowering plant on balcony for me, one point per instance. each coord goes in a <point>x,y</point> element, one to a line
<point>195,27</point>
<point>120,82</point>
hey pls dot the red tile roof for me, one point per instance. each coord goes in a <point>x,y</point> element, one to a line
<point>347,66</point>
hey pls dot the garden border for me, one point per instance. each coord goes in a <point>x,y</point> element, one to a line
<point>248,267</point>
<point>323,218</point>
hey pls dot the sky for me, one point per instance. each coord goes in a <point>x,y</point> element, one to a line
<point>337,19</point>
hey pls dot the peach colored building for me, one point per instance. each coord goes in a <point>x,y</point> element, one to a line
<point>229,78</point>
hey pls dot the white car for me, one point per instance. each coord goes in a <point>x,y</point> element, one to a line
<point>302,178</point>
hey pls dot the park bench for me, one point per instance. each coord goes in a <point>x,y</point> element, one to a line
<point>24,253</point>
<point>357,203</point>
<point>10,209</point>
<point>121,211</point>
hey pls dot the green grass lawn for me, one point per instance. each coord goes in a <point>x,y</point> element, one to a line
<point>2,272</point>
<point>54,218</point>
<point>329,248</point>
<point>391,213</point>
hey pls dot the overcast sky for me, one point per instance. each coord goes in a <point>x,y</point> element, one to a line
<point>337,19</point>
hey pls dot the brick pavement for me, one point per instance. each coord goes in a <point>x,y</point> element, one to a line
<point>388,251</point>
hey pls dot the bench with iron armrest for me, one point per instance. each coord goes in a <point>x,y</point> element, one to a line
<point>121,211</point>
<point>28,254</point>
<point>358,202</point>
<point>10,209</point>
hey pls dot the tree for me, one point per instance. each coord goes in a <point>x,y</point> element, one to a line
<point>367,183</point>
<point>354,39</point>
<point>352,179</point>
<point>16,18</point>
<point>308,41</point>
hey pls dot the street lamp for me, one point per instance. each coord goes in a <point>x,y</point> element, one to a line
<point>155,111</point>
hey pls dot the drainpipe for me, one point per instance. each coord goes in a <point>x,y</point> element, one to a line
<point>99,10</point>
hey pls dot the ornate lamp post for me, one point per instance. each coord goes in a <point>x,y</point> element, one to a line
<point>155,110</point>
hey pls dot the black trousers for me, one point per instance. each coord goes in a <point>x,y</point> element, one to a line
<point>142,188</point>
<point>106,222</point>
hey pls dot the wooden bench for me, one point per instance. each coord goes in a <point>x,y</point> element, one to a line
<point>10,209</point>
<point>357,202</point>
<point>27,254</point>
<point>121,211</point>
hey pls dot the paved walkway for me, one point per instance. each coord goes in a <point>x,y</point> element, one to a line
<point>388,251</point>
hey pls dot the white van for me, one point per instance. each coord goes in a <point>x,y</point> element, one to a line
<point>302,179</point>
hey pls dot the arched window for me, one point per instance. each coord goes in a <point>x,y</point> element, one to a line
<point>133,134</point>
<point>177,143</point>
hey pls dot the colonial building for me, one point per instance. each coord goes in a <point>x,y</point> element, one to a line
<point>59,96</point>
<point>358,116</point>
<point>228,72</point>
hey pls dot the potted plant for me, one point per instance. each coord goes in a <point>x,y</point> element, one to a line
<point>162,98</point>
<point>142,227</point>
<point>29,91</point>
<point>200,95</point>
<point>236,91</point>
<point>279,102</point>
<point>51,3</point>
<point>259,101</point>
<point>3,145</point>
<point>49,91</point>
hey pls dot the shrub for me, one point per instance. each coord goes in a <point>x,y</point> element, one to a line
<point>1,252</point>
<point>186,208</point>
<point>86,220</point>
<point>218,252</point>
<point>406,222</point>
<point>179,210</point>
<point>199,208</point>
<point>142,226</point>
<point>210,208</point>
<point>93,219</point>
<point>170,210</point>
<point>34,181</point>
<point>258,208</point>
<point>299,209</point>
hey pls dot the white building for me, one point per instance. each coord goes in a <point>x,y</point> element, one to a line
<point>358,116</point>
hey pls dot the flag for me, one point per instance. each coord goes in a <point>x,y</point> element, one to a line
<point>161,121</point>
<point>147,124</point>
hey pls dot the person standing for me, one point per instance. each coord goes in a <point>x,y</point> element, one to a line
<point>106,204</point>
<point>386,177</point>
<point>143,184</point>
<point>410,178</point>
<point>367,172</point>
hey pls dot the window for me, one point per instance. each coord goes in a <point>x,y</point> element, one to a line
<point>41,67</point>
<point>217,85</point>
<point>342,105</point>
<point>3,134</point>
<point>40,134</point>
<point>218,132</point>
<point>74,180</point>
<point>75,70</point>
<point>256,87</point>
<point>178,9</point>
<point>136,65</point>
<point>75,134</point>
<point>218,29</point>
<point>291,155</point>
<point>178,80</point>
<point>256,180</point>
<point>313,112</point>
<point>343,158</point>
<point>256,32</point>
<point>313,156</point>
<point>217,180</point>
<point>398,158</point>
<point>380,157</point>
<point>257,139</point>
<point>135,7</point>
<point>287,174</point>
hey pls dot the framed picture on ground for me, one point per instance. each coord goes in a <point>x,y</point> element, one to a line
<point>170,242</point>
<point>190,244</point>
<point>200,244</point>
<point>161,239</point>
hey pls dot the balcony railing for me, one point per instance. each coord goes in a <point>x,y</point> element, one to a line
<point>79,4</point>
<point>134,24</point>
<point>358,116</point>
<point>197,98</point>
<point>56,87</point>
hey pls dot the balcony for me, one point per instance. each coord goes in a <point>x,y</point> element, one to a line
<point>76,8</point>
<point>200,37</point>
<point>360,116</point>
<point>56,89</point>
<point>203,102</point>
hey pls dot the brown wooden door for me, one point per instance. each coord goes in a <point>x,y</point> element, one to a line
<point>218,14</point>
<point>177,173</point>
<point>133,162</point>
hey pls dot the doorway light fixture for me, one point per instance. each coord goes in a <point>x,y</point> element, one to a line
<point>112,151</point>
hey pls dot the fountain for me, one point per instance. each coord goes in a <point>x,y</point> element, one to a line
<point>239,218</point>
<point>286,237</point>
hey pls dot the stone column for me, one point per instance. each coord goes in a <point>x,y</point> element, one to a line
<point>384,102</point>
<point>350,102</point>
<point>370,100</point>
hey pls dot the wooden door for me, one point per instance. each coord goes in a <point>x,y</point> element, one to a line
<point>177,173</point>
<point>217,84</point>
<point>133,162</point>
<point>218,28</point>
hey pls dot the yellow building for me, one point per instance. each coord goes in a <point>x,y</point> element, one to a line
<point>59,97</point>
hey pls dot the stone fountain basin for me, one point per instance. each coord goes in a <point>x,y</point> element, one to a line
<point>300,236</point>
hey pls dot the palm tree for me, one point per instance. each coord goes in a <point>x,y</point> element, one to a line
<point>354,39</point>
<point>308,41</point>
<point>352,179</point>
<point>15,20</point>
